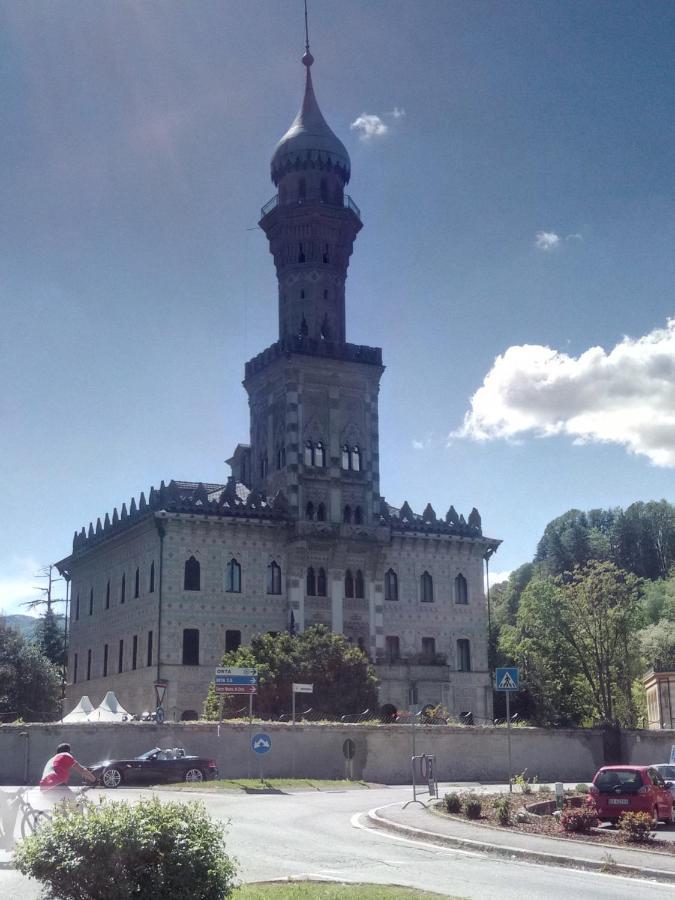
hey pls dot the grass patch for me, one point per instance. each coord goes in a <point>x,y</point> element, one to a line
<point>267,785</point>
<point>317,890</point>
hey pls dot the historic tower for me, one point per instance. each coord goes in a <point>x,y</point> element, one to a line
<point>313,395</point>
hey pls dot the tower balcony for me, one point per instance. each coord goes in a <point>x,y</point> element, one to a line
<point>347,203</point>
<point>307,346</point>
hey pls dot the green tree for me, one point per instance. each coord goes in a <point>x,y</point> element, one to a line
<point>30,685</point>
<point>344,681</point>
<point>657,645</point>
<point>50,638</point>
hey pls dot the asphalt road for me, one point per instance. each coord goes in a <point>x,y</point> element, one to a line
<point>324,835</point>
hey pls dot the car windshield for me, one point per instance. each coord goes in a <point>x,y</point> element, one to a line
<point>620,781</point>
<point>149,754</point>
<point>667,772</point>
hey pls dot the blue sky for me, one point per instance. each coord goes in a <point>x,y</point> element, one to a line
<point>514,167</point>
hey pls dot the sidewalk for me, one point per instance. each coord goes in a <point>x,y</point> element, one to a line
<point>416,822</point>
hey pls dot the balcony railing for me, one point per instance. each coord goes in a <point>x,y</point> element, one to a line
<point>347,203</point>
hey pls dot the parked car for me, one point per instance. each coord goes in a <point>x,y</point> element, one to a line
<point>619,789</point>
<point>155,766</point>
<point>667,772</point>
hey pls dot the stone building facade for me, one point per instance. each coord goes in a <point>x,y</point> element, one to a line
<point>300,532</point>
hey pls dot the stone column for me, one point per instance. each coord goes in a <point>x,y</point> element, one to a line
<point>337,586</point>
<point>376,617</point>
<point>296,599</point>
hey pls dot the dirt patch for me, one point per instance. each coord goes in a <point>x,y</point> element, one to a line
<point>538,820</point>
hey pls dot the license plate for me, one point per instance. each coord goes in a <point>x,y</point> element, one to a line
<point>616,801</point>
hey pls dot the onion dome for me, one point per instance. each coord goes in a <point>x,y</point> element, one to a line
<point>309,140</point>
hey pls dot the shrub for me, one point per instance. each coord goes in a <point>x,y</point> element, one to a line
<point>472,806</point>
<point>581,788</point>
<point>580,819</point>
<point>153,850</point>
<point>636,827</point>
<point>502,806</point>
<point>453,803</point>
<point>523,782</point>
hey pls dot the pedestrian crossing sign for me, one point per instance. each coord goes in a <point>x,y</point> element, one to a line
<point>506,678</point>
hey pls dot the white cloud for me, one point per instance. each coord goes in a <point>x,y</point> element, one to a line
<point>574,237</point>
<point>18,584</point>
<point>370,126</point>
<point>397,112</point>
<point>626,396</point>
<point>497,577</point>
<point>546,240</point>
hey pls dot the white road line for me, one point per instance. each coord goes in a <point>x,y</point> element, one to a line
<point>355,823</point>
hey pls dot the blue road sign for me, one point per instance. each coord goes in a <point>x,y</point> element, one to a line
<point>236,679</point>
<point>261,742</point>
<point>506,678</point>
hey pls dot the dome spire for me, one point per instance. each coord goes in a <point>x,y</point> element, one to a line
<point>306,32</point>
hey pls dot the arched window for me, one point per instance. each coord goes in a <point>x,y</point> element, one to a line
<point>137,583</point>
<point>358,515</point>
<point>463,655</point>
<point>311,582</point>
<point>151,589</point>
<point>77,607</point>
<point>347,514</point>
<point>321,513</point>
<point>324,190</point>
<point>390,585</point>
<point>319,455</point>
<point>345,457</point>
<point>355,459</point>
<point>107,595</point>
<point>349,583</point>
<point>309,453</point>
<point>326,253</point>
<point>301,253</point>
<point>190,646</point>
<point>358,585</point>
<point>427,588</point>
<point>123,589</point>
<point>321,583</point>
<point>281,456</point>
<point>192,577</point>
<point>273,578</point>
<point>461,590</point>
<point>302,189</point>
<point>91,601</point>
<point>233,577</point>
<point>309,511</point>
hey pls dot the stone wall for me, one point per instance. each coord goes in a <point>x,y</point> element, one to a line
<point>315,751</point>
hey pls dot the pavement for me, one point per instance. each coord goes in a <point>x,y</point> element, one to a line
<point>419,822</point>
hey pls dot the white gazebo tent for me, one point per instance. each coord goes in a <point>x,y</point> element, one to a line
<point>109,710</point>
<point>81,712</point>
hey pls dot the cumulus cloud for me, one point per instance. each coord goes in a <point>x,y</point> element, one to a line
<point>370,126</point>
<point>625,396</point>
<point>497,577</point>
<point>546,240</point>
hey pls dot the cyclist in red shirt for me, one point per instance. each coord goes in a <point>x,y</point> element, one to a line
<point>57,770</point>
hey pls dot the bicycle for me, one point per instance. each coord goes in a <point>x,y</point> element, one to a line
<point>32,818</point>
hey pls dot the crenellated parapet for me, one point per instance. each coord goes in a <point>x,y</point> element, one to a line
<point>404,519</point>
<point>233,499</point>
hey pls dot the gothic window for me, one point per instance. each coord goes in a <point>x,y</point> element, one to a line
<point>390,585</point>
<point>321,583</point>
<point>77,607</point>
<point>321,513</point>
<point>463,655</point>
<point>273,578</point>
<point>309,511</point>
<point>232,640</point>
<point>151,588</point>
<point>75,668</point>
<point>149,657</point>
<point>324,190</point>
<point>301,253</point>
<point>345,457</point>
<point>461,590</point>
<point>105,660</point>
<point>349,583</point>
<point>309,453</point>
<point>428,648</point>
<point>107,595</point>
<point>311,582</point>
<point>134,652</point>
<point>302,190</point>
<point>302,297</point>
<point>319,455</point>
<point>91,601</point>
<point>264,465</point>
<point>358,585</point>
<point>325,253</point>
<point>233,577</point>
<point>325,295</point>
<point>88,665</point>
<point>137,583</point>
<point>281,456</point>
<point>120,656</point>
<point>426,588</point>
<point>347,514</point>
<point>392,648</point>
<point>351,458</point>
<point>192,577</point>
<point>358,515</point>
<point>190,646</point>
<point>123,589</point>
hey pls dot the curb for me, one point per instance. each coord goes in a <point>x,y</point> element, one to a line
<point>537,856</point>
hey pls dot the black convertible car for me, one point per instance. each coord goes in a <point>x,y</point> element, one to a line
<point>154,766</point>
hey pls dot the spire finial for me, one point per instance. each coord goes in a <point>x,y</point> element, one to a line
<point>307,59</point>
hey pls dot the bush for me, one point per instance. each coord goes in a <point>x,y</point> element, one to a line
<point>636,827</point>
<point>581,789</point>
<point>579,819</point>
<point>502,807</point>
<point>472,806</point>
<point>523,782</point>
<point>453,803</point>
<point>153,850</point>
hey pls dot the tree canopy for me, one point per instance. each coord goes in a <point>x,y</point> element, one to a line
<point>30,685</point>
<point>344,681</point>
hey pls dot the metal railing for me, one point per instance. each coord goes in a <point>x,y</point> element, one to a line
<point>273,202</point>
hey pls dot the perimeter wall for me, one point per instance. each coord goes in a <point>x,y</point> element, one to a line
<point>381,753</point>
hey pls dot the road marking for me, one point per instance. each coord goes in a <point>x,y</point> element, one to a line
<point>355,823</point>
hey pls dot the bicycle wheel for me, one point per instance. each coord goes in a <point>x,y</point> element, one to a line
<point>32,819</point>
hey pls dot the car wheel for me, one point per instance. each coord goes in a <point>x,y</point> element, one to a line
<point>112,778</point>
<point>194,775</point>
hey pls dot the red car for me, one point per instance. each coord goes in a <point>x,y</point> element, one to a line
<point>619,789</point>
